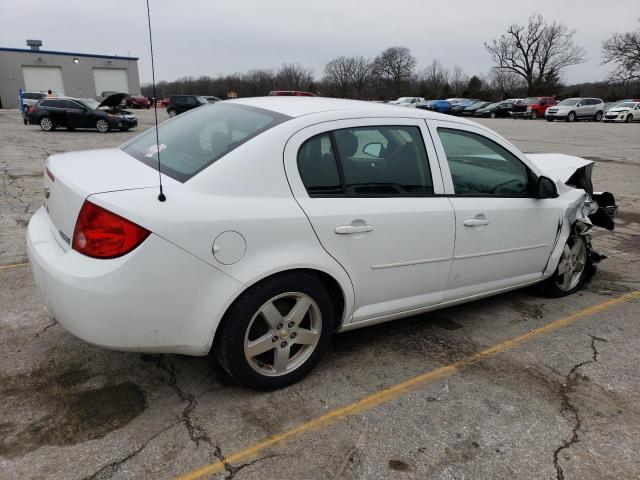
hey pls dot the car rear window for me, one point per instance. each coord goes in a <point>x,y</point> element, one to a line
<point>194,140</point>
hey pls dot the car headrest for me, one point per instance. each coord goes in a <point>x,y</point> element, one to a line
<point>347,143</point>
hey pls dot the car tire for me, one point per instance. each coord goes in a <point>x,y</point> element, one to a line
<point>629,119</point>
<point>46,124</point>
<point>260,315</point>
<point>534,115</point>
<point>172,112</point>
<point>102,125</point>
<point>598,117</point>
<point>492,115</point>
<point>572,269</point>
<point>549,119</point>
<point>571,117</point>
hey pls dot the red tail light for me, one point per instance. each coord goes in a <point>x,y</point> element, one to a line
<point>102,234</point>
<point>31,109</point>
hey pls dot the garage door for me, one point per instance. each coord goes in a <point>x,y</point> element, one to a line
<point>43,79</point>
<point>110,79</point>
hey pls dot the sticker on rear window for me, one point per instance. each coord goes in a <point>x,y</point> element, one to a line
<point>153,149</point>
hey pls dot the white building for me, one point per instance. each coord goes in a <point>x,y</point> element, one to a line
<point>72,74</point>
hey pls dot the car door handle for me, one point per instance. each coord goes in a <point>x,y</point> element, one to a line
<point>347,229</point>
<point>475,222</point>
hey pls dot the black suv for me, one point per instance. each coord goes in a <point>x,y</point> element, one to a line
<point>181,103</point>
<point>72,113</point>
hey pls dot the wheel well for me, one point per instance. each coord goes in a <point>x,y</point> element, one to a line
<point>327,281</point>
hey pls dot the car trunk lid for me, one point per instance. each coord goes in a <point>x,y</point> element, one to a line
<point>71,177</point>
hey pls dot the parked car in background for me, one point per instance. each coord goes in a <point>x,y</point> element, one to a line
<point>426,105</point>
<point>407,101</point>
<point>290,93</point>
<point>181,103</point>
<point>31,98</point>
<point>469,111</point>
<point>623,112</point>
<point>440,106</point>
<point>532,107</point>
<point>137,101</point>
<point>573,109</point>
<point>72,113</point>
<point>495,110</point>
<point>282,228</point>
<point>458,107</point>
<point>212,99</point>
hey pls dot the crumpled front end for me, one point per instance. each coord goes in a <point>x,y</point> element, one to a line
<point>585,209</point>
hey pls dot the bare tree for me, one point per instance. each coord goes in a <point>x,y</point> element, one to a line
<point>459,80</point>
<point>361,72</point>
<point>505,82</point>
<point>622,50</point>
<point>538,51</point>
<point>339,74</point>
<point>259,82</point>
<point>394,66</point>
<point>293,76</point>
<point>433,79</point>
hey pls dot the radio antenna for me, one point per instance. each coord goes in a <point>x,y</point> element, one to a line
<point>162,196</point>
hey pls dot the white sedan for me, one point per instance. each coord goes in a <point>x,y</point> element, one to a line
<point>623,112</point>
<point>289,219</point>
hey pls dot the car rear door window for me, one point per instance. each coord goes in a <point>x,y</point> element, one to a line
<point>481,167</point>
<point>383,160</point>
<point>318,167</point>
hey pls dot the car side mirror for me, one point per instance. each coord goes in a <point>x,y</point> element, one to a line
<point>546,188</point>
<point>373,149</point>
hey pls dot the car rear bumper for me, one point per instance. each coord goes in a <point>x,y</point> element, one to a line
<point>157,298</point>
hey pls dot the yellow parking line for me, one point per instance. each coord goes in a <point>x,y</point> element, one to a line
<point>13,265</point>
<point>383,396</point>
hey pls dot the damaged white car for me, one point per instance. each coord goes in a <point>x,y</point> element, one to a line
<point>287,220</point>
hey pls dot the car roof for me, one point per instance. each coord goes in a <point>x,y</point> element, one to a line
<point>300,106</point>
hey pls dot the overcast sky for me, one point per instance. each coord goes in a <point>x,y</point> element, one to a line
<point>200,37</point>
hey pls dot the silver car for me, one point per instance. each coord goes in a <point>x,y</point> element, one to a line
<point>572,109</point>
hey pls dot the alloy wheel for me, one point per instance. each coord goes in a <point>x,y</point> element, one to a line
<point>571,117</point>
<point>599,117</point>
<point>46,124</point>
<point>102,126</point>
<point>283,334</point>
<point>572,263</point>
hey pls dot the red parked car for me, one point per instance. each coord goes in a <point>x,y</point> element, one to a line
<point>138,101</point>
<point>290,93</point>
<point>532,107</point>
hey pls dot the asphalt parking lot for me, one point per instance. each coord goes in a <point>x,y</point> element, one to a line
<point>516,386</point>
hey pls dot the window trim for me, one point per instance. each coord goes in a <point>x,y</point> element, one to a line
<point>338,159</point>
<point>532,177</point>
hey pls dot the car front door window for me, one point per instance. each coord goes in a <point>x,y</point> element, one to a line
<point>480,167</point>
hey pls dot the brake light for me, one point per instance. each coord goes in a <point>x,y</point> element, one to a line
<point>102,234</point>
<point>31,109</point>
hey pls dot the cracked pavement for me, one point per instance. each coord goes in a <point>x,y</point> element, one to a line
<point>564,405</point>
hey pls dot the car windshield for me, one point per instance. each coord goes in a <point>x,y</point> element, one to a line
<point>194,140</point>
<point>569,102</point>
<point>90,103</point>
<point>625,105</point>
<point>404,100</point>
<point>491,105</point>
<point>201,100</point>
